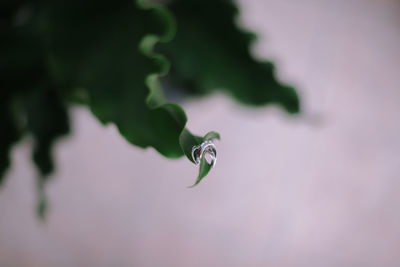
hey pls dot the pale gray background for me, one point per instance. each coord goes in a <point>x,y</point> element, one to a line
<point>318,190</point>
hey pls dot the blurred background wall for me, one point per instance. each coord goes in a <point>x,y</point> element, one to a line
<point>321,189</point>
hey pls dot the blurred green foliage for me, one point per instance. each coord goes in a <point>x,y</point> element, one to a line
<point>110,56</point>
<point>210,52</point>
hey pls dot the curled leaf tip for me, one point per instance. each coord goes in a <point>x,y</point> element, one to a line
<point>199,153</point>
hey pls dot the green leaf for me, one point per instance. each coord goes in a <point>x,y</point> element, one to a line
<point>118,67</point>
<point>8,136</point>
<point>211,136</point>
<point>41,203</point>
<point>204,169</point>
<point>24,74</point>
<point>99,53</point>
<point>109,51</point>
<point>210,52</point>
<point>188,142</point>
<point>47,120</point>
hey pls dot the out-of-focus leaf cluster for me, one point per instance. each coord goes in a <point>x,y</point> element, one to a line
<point>110,55</point>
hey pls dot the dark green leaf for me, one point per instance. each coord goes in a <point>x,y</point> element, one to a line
<point>107,48</point>
<point>47,120</point>
<point>210,52</point>
<point>22,68</point>
<point>9,134</point>
<point>118,67</point>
